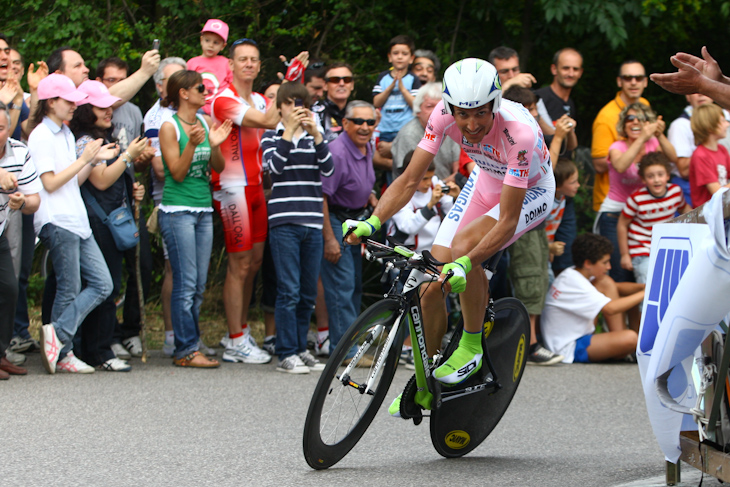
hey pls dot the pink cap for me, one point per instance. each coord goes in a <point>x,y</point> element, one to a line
<point>98,94</point>
<point>59,85</point>
<point>216,27</point>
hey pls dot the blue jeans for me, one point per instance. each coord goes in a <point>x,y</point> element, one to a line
<point>607,226</point>
<point>297,254</point>
<point>189,239</point>
<point>342,286</point>
<point>74,259</point>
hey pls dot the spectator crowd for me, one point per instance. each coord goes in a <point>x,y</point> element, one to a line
<point>282,165</point>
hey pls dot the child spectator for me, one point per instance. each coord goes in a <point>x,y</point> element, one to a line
<point>297,156</point>
<point>576,297</point>
<point>416,224</point>
<point>62,223</point>
<point>396,104</point>
<point>710,162</point>
<point>566,185</point>
<point>656,202</point>
<point>215,69</point>
<point>528,263</point>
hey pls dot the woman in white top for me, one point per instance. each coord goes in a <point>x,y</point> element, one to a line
<point>62,222</point>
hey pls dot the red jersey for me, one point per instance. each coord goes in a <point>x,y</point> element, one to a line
<point>645,210</point>
<point>242,149</point>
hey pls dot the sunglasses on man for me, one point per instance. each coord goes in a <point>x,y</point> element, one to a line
<point>360,121</point>
<point>337,79</point>
<point>636,77</point>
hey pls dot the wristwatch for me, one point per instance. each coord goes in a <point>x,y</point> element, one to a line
<point>13,106</point>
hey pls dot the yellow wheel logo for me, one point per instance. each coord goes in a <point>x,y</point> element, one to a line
<point>457,439</point>
<point>488,325</point>
<point>519,358</point>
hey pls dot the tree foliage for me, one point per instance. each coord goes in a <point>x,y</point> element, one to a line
<point>606,31</point>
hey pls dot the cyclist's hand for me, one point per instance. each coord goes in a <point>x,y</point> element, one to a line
<point>460,268</point>
<point>360,229</point>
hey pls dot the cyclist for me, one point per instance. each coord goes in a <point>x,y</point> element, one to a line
<point>509,192</point>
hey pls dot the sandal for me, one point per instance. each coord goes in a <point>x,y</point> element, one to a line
<point>196,359</point>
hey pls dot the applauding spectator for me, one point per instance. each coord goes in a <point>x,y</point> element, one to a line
<point>186,212</point>
<point>62,222</point>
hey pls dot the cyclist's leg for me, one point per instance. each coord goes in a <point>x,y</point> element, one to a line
<point>433,306</point>
<point>467,358</point>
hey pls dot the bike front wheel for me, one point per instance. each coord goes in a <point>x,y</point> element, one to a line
<point>340,410</point>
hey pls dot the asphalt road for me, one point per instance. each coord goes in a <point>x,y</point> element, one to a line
<point>159,425</point>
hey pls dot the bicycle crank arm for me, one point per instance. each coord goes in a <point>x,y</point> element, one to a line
<point>489,386</point>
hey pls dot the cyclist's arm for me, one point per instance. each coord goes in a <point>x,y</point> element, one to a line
<point>510,204</point>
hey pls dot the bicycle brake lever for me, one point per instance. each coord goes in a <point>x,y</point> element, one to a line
<point>349,231</point>
<point>449,275</point>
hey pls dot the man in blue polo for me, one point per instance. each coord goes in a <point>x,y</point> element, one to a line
<point>347,193</point>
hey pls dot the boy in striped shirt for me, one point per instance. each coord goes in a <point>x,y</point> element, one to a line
<point>656,202</point>
<point>297,157</point>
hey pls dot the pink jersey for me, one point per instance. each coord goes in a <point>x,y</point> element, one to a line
<point>216,74</point>
<point>242,148</point>
<point>513,152</point>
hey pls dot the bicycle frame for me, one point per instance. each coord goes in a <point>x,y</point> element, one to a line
<point>429,393</point>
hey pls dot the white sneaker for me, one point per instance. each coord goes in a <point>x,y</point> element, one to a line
<point>250,341</point>
<point>205,349</point>
<point>134,346</point>
<point>115,365</point>
<point>226,341</point>
<point>22,345</point>
<point>247,355</point>
<point>120,351</point>
<point>310,361</point>
<point>14,357</point>
<point>292,365</point>
<point>168,349</point>
<point>322,349</point>
<point>50,348</point>
<point>71,364</point>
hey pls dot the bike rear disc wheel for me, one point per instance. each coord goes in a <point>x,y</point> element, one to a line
<point>340,412</point>
<point>462,424</point>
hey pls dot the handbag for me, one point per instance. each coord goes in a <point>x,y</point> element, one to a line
<point>120,222</point>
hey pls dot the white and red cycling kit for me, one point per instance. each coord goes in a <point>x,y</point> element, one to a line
<point>513,153</point>
<point>238,191</point>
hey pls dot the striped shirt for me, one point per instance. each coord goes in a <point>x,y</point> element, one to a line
<point>296,169</point>
<point>552,222</point>
<point>17,161</point>
<point>645,210</point>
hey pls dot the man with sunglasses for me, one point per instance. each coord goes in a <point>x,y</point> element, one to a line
<point>632,81</point>
<point>347,192</point>
<point>238,195</point>
<point>339,83</point>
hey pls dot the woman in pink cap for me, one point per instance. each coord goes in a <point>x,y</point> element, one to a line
<point>61,221</point>
<point>111,185</point>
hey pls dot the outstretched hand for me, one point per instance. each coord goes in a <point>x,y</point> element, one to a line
<point>690,72</point>
<point>219,133</point>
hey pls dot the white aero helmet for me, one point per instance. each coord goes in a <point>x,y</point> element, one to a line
<point>471,83</point>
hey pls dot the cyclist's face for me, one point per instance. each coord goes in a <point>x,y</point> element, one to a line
<point>474,123</point>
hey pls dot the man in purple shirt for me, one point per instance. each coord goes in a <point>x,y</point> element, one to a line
<point>347,194</point>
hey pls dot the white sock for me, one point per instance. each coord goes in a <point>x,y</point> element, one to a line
<point>169,337</point>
